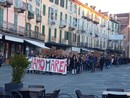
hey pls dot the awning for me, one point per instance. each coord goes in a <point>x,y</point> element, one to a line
<point>36,43</point>
<point>14,39</point>
<point>0,36</point>
<point>76,49</point>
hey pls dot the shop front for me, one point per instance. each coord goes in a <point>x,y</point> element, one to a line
<point>10,45</point>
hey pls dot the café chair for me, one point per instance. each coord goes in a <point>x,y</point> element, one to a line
<point>115,89</point>
<point>80,95</point>
<point>116,96</point>
<point>16,94</point>
<point>25,94</point>
<point>55,94</point>
<point>64,95</point>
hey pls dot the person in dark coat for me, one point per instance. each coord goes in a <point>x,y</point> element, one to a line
<point>74,62</point>
<point>102,61</point>
<point>1,57</point>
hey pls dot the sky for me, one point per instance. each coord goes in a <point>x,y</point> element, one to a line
<point>112,6</point>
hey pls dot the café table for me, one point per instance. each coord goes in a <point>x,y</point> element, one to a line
<point>37,92</point>
<point>105,93</point>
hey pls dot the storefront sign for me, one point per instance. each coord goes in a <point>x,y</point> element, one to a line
<point>49,65</point>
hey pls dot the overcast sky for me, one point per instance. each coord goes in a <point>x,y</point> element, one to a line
<point>113,6</point>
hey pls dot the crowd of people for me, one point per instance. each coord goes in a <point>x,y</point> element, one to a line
<point>77,63</point>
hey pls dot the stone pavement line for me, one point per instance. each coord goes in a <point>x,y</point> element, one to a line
<point>87,82</point>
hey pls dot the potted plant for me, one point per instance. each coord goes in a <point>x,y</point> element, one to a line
<point>19,64</point>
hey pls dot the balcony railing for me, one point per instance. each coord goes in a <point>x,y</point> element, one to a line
<point>62,24</point>
<point>38,18</point>
<point>96,20</point>
<point>64,41</point>
<point>21,8</point>
<point>71,27</point>
<point>30,15</point>
<point>89,18</point>
<point>53,39</point>
<point>6,3</point>
<point>34,35</point>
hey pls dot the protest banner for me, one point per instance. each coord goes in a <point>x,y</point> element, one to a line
<point>49,65</point>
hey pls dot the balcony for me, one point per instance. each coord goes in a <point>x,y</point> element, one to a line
<point>113,18</point>
<point>21,8</point>
<point>8,27</point>
<point>102,25</point>
<point>64,41</point>
<point>84,17</point>
<point>89,18</point>
<point>41,36</point>
<point>53,39</point>
<point>21,30</point>
<point>71,27</point>
<point>30,15</point>
<point>96,20</point>
<point>74,43</point>
<point>38,18</point>
<point>62,25</point>
<point>6,3</point>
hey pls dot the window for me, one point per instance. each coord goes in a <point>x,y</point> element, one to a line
<point>49,35</point>
<point>15,21</point>
<point>82,13</point>
<point>74,37</point>
<point>66,18</point>
<point>36,29</point>
<point>62,3</point>
<point>75,21</point>
<point>66,4</point>
<point>57,2</point>
<point>56,14</point>
<point>66,35</point>
<point>28,26</point>
<point>44,9</point>
<point>70,6</point>
<point>60,35</point>
<point>51,0</point>
<point>37,11</point>
<point>37,2</point>
<point>75,9</point>
<point>1,16</point>
<point>43,29</point>
<point>79,11</point>
<point>70,20</point>
<point>51,13</point>
<point>61,15</point>
<point>55,33</point>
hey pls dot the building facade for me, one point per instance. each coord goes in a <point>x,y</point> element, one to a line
<point>124,19</point>
<point>70,25</point>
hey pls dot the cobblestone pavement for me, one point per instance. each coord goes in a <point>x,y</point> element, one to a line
<point>87,82</point>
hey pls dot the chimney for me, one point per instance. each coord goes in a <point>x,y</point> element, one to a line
<point>86,4</point>
<point>93,7</point>
<point>99,11</point>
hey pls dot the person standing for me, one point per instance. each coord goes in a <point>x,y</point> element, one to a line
<point>74,67</point>
<point>1,57</point>
<point>102,61</point>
